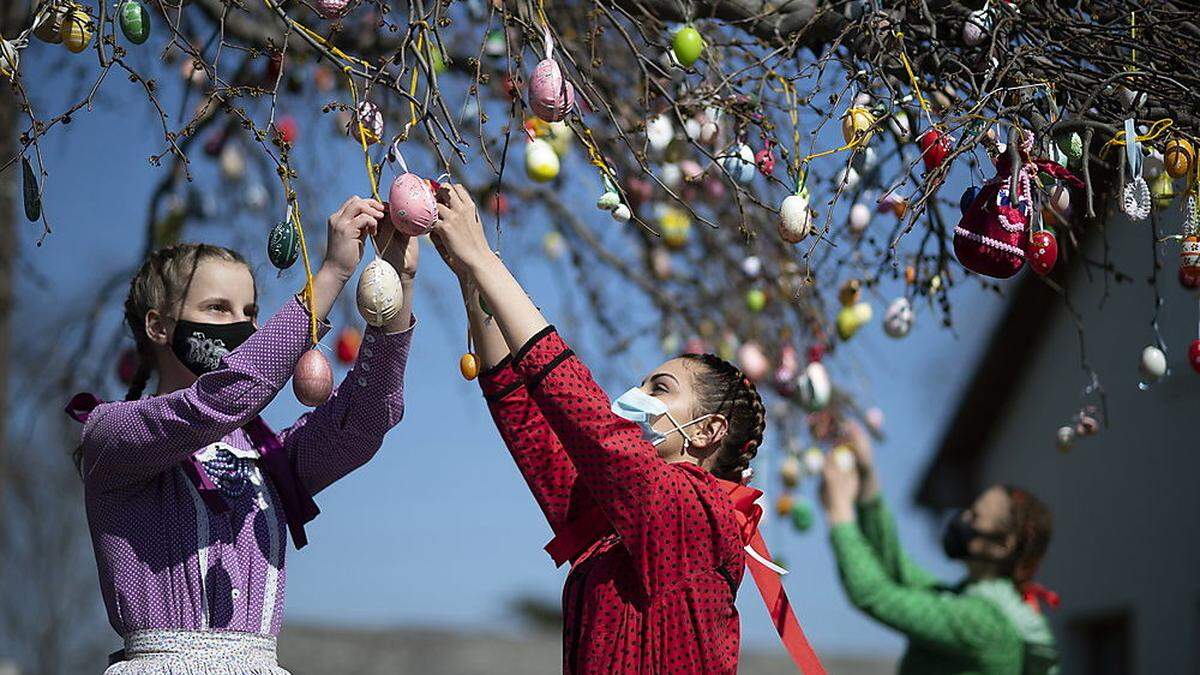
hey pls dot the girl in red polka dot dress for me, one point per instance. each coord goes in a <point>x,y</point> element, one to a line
<point>189,496</point>
<point>644,494</point>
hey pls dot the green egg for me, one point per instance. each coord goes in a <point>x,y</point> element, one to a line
<point>283,246</point>
<point>688,45</point>
<point>135,21</point>
<point>756,300</point>
<point>802,515</point>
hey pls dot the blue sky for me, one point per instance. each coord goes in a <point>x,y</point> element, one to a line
<point>439,529</point>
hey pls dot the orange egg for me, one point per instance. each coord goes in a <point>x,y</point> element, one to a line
<point>1178,157</point>
<point>312,381</point>
<point>469,365</point>
<point>783,506</point>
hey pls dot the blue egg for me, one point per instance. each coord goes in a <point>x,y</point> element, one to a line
<point>968,198</point>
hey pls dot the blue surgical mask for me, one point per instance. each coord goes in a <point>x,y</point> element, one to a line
<point>637,406</point>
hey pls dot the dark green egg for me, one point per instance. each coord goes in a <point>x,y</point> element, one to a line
<point>283,246</point>
<point>802,515</point>
<point>135,21</point>
<point>484,306</point>
<point>33,200</point>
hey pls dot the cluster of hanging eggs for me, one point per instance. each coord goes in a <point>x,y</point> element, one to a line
<point>1084,424</point>
<point>610,200</point>
<point>855,312</point>
<point>71,24</point>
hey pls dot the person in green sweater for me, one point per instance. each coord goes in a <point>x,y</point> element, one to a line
<point>990,623</point>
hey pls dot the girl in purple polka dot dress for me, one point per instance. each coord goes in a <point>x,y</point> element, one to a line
<point>189,496</point>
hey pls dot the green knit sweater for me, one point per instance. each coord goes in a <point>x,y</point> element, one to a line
<point>979,628</point>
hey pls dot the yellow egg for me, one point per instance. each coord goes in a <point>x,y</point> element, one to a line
<point>469,366</point>
<point>541,162</point>
<point>1178,157</point>
<point>76,31</point>
<point>857,123</point>
<point>676,227</point>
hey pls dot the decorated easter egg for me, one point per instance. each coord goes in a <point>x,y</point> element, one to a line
<point>898,319</point>
<point>551,95</point>
<point>608,201</point>
<point>752,266</point>
<point>1194,355</point>
<point>795,219</point>
<point>76,29</point>
<point>1042,251</point>
<point>494,44</point>
<point>312,382</point>
<point>366,125</point>
<point>49,23</point>
<point>1071,144</point>
<point>468,365</point>
<point>802,515</point>
<point>331,9</point>
<point>756,300</point>
<point>1060,198</point>
<point>676,226</point>
<point>852,318</point>
<point>287,129</point>
<point>671,175</point>
<point>135,21</point>
<point>790,470</point>
<point>739,164</point>
<point>976,27</point>
<point>1065,438</point>
<point>622,213</point>
<point>1162,189</point>
<point>412,205</point>
<point>857,125</point>
<point>968,198</point>
<point>753,361</point>
<point>860,217</point>
<point>846,178</point>
<point>783,505</point>
<point>850,292</point>
<point>559,135</point>
<point>687,46</point>
<point>1188,281</point>
<point>814,461</point>
<point>764,159</point>
<point>283,244</point>
<point>659,132</point>
<point>1178,157</point>
<point>1153,364</point>
<point>935,147</point>
<point>348,342</point>
<point>1189,257</point>
<point>541,162</point>
<point>380,294</point>
<point>814,388</point>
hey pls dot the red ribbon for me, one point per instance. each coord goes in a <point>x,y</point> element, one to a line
<point>577,536</point>
<point>1034,594</point>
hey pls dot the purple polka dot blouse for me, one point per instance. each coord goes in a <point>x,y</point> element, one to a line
<point>166,559</point>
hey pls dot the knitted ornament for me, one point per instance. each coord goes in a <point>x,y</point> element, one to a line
<point>687,46</point>
<point>541,162</point>
<point>857,125</point>
<point>312,382</point>
<point>898,319</point>
<point>1178,157</point>
<point>1135,196</point>
<point>379,293</point>
<point>551,96</point>
<point>76,29</point>
<point>331,9</point>
<point>366,125</point>
<point>739,164</point>
<point>135,21</point>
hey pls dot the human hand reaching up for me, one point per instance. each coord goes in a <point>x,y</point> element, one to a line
<point>853,435</point>
<point>839,487</point>
<point>458,235</point>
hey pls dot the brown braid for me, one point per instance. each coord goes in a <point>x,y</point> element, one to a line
<point>722,388</point>
<point>161,283</point>
<point>1032,523</point>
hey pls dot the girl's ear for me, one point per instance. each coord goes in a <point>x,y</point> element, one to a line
<point>156,328</point>
<point>709,433</point>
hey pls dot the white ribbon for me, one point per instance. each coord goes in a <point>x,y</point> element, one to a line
<point>765,563</point>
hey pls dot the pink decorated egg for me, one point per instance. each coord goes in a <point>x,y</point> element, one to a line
<point>753,361</point>
<point>331,9</point>
<point>551,96</point>
<point>313,380</point>
<point>412,205</point>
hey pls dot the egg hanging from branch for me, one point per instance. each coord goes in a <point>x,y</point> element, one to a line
<point>860,218</point>
<point>795,218</point>
<point>676,226</point>
<point>976,27</point>
<point>1153,364</point>
<point>348,342</point>
<point>135,21</point>
<point>1162,190</point>
<point>1042,251</point>
<point>76,29</point>
<point>312,381</point>
<point>660,131</point>
<point>858,126</point>
<point>935,147</point>
<point>1178,157</point>
<point>541,162</point>
<point>739,164</point>
<point>1071,144</point>
<point>898,319</point>
<point>851,318</point>
<point>551,94</point>
<point>283,244</point>
<point>814,387</point>
<point>366,125</point>
<point>412,205</point>
<point>332,9</point>
<point>380,294</point>
<point>687,45</point>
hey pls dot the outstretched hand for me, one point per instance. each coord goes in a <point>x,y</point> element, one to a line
<point>458,235</point>
<point>839,487</point>
<point>348,228</point>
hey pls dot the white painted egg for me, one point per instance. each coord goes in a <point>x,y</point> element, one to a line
<point>740,164</point>
<point>898,319</point>
<point>814,461</point>
<point>846,177</point>
<point>752,266</point>
<point>659,131</point>
<point>622,213</point>
<point>1060,198</point>
<point>1154,363</point>
<point>860,217</point>
<point>795,220</point>
<point>379,293</point>
<point>814,387</point>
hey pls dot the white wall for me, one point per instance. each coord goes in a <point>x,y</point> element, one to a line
<point>1124,502</point>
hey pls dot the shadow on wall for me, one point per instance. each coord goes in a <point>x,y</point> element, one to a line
<point>317,650</point>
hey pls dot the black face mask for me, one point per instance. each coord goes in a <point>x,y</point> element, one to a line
<point>201,346</point>
<point>959,533</point>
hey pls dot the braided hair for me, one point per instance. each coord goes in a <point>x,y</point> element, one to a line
<point>161,283</point>
<point>723,389</point>
<point>1032,524</point>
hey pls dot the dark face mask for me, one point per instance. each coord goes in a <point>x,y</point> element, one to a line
<point>957,537</point>
<point>201,346</point>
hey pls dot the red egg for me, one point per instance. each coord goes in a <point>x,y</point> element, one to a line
<point>348,343</point>
<point>287,129</point>
<point>765,161</point>
<point>1188,280</point>
<point>313,380</point>
<point>935,146</point>
<point>127,366</point>
<point>498,203</point>
<point>816,352</point>
<point>1194,355</point>
<point>1042,251</point>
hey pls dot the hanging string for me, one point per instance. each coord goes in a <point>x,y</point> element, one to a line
<point>1155,131</point>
